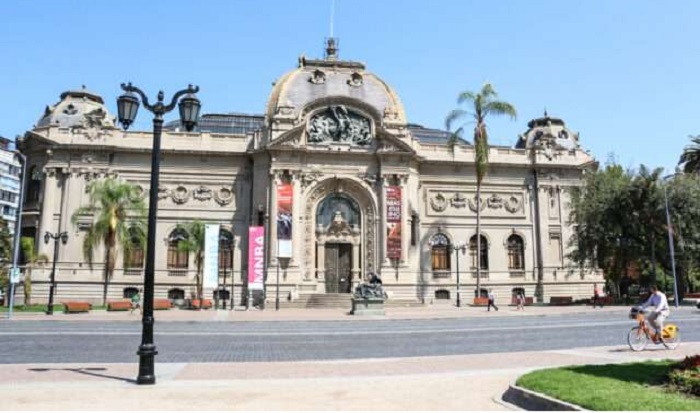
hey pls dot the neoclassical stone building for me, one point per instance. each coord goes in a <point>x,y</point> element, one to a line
<point>342,182</point>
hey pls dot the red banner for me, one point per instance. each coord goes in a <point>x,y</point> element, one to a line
<point>393,219</point>
<point>285,196</point>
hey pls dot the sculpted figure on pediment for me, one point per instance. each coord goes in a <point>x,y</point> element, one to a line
<point>338,124</point>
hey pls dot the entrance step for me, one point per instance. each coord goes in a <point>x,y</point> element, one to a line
<point>338,300</point>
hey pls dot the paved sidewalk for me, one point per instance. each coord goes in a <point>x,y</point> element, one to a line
<point>469,382</point>
<point>288,314</point>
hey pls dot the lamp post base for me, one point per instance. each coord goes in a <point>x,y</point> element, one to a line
<point>147,353</point>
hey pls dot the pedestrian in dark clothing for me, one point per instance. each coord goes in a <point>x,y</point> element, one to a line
<point>492,301</point>
<point>596,296</point>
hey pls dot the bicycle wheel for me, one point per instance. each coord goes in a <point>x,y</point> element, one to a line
<point>672,343</point>
<point>637,339</point>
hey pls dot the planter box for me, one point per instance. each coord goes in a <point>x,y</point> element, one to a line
<point>367,306</point>
<point>481,301</point>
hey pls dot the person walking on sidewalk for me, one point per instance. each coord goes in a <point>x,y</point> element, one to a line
<point>520,300</point>
<point>492,301</point>
<point>136,301</point>
<point>596,296</point>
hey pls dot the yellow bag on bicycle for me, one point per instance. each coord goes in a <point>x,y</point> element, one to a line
<point>669,331</point>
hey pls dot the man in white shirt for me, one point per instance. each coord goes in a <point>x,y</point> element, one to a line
<point>656,318</point>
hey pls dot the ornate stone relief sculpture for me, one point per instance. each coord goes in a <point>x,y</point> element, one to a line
<point>180,195</point>
<point>309,177</point>
<point>338,124</point>
<point>355,80</point>
<point>318,77</point>
<point>458,200</point>
<point>94,124</point>
<point>438,203</point>
<point>163,192</point>
<point>513,204</point>
<point>223,196</point>
<point>202,193</point>
<point>473,202</point>
<point>495,202</point>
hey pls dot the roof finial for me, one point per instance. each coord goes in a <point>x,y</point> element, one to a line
<point>545,112</point>
<point>331,48</point>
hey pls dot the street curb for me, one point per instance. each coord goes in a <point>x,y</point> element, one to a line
<point>530,400</point>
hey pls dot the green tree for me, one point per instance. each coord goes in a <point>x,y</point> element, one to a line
<point>480,105</point>
<point>5,255</point>
<point>115,206</point>
<point>32,259</point>
<point>194,244</point>
<point>690,158</point>
<point>648,208</point>
<point>603,217</point>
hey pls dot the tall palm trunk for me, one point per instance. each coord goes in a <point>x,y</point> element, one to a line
<point>110,262</point>
<point>478,238</point>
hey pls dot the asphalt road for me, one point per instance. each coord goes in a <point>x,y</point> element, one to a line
<point>179,342</point>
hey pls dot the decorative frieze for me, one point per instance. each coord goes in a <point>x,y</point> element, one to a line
<point>459,203</point>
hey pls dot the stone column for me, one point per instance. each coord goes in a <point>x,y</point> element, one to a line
<point>49,206</point>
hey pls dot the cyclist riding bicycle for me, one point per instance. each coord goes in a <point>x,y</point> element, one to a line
<point>661,311</point>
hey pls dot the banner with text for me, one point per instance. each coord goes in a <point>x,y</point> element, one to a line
<point>211,256</point>
<point>256,258</point>
<point>285,196</point>
<point>393,219</point>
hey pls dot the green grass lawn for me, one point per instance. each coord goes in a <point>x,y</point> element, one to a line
<point>636,386</point>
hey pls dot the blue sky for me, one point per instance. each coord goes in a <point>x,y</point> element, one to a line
<point>622,73</point>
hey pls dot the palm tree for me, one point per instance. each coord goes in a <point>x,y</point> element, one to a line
<point>691,156</point>
<point>479,106</point>
<point>194,243</point>
<point>32,259</point>
<point>115,207</point>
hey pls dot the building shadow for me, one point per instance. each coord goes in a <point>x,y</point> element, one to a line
<point>88,371</point>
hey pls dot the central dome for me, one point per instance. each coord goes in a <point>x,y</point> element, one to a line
<point>328,80</point>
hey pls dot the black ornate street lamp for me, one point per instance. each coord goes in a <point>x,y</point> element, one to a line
<point>63,236</point>
<point>459,246</point>
<point>127,106</point>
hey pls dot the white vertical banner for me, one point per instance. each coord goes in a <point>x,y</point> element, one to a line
<point>211,256</point>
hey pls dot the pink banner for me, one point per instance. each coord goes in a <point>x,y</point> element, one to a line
<point>393,219</point>
<point>256,258</point>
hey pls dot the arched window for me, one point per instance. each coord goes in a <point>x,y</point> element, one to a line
<point>516,253</point>
<point>338,205</point>
<point>33,185</point>
<point>484,252</point>
<point>440,252</point>
<point>176,294</point>
<point>225,251</point>
<point>130,292</point>
<point>177,259</point>
<point>134,254</point>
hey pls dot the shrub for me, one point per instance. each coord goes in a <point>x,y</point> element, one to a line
<point>686,381</point>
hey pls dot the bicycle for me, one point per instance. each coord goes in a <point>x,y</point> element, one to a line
<point>643,333</point>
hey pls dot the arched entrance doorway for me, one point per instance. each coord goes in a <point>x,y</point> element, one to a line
<point>351,236</point>
<point>338,238</point>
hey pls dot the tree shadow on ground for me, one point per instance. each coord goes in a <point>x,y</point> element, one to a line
<point>649,373</point>
<point>89,371</point>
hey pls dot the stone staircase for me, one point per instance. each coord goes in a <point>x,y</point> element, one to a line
<point>339,300</point>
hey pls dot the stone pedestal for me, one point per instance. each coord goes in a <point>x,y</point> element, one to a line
<point>367,306</point>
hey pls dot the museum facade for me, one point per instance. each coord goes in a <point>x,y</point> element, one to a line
<point>337,180</point>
